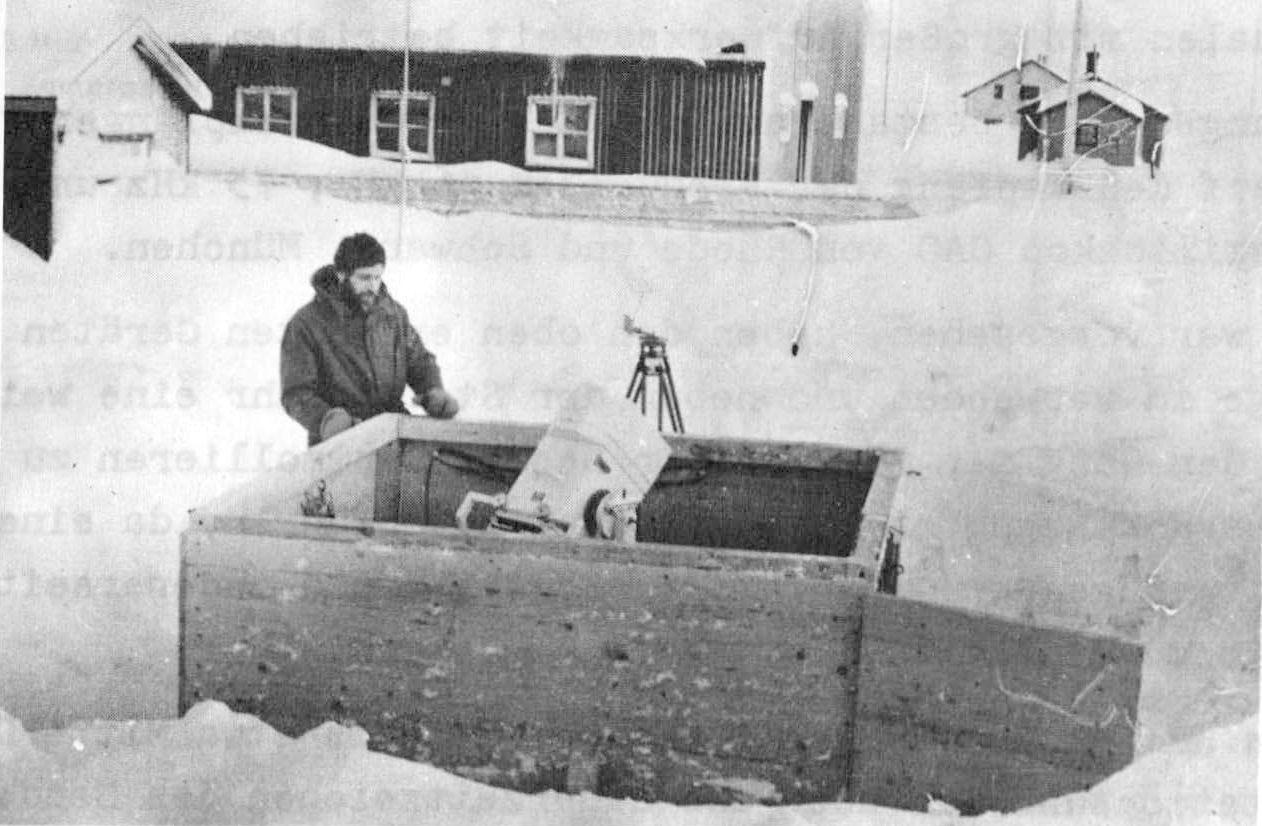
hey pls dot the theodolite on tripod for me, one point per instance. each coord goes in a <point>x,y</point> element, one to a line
<point>653,364</point>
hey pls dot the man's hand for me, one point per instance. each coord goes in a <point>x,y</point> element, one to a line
<point>439,403</point>
<point>335,421</point>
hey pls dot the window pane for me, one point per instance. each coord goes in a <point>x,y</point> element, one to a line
<point>1088,136</point>
<point>576,146</point>
<point>388,110</point>
<point>418,112</point>
<point>543,114</point>
<point>251,106</point>
<point>281,126</point>
<point>576,116</point>
<point>418,139</point>
<point>251,123</point>
<point>388,138</point>
<point>278,104</point>
<point>545,144</point>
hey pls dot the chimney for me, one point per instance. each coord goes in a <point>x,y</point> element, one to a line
<point>1093,57</point>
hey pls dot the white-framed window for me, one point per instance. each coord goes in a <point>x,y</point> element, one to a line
<point>388,135</point>
<point>561,131</point>
<point>268,108</point>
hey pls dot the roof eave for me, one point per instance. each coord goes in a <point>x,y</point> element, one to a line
<point>156,50</point>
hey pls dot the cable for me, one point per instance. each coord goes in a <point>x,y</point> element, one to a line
<point>813,234</point>
<point>1065,131</point>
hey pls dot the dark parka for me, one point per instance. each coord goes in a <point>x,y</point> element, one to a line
<point>333,354</point>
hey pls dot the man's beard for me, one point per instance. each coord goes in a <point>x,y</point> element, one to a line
<point>364,301</point>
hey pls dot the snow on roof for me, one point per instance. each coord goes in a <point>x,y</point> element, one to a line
<point>1009,71</point>
<point>1126,102</point>
<point>36,67</point>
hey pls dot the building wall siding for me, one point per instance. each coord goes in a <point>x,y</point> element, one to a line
<point>659,117</point>
<point>982,104</point>
<point>1152,134</point>
<point>1114,120</point>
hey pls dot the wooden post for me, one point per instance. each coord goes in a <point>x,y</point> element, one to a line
<point>403,121</point>
<point>889,48</point>
<point>1070,134</point>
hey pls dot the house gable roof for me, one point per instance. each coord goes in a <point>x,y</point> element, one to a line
<point>1009,71</point>
<point>1122,100</point>
<point>35,70</point>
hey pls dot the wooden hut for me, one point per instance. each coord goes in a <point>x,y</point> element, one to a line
<point>1113,125</point>
<point>747,647</point>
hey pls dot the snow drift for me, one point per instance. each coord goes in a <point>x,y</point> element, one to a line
<point>216,766</point>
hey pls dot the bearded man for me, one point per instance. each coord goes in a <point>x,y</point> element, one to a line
<point>349,353</point>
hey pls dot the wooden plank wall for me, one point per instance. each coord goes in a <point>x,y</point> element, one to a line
<point>655,682</point>
<point>654,674</point>
<point>985,713</point>
<point>703,124</point>
<point>655,116</point>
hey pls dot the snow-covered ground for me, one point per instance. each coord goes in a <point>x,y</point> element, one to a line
<point>1074,378</point>
<point>216,766</point>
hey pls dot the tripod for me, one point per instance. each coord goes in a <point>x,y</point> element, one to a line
<point>653,363</point>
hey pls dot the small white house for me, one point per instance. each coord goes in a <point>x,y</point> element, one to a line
<point>75,116</point>
<point>998,99</point>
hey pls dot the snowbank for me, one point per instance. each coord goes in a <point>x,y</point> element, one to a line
<point>217,766</point>
<point>218,147</point>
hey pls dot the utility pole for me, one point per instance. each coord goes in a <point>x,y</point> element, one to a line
<point>1256,114</point>
<point>889,47</point>
<point>1069,137</point>
<point>1020,66</point>
<point>403,123</point>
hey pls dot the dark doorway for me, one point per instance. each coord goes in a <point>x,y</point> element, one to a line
<point>804,142</point>
<point>28,174</point>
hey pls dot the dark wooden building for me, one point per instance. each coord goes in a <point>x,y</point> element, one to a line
<point>599,114</point>
<point>1113,125</point>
